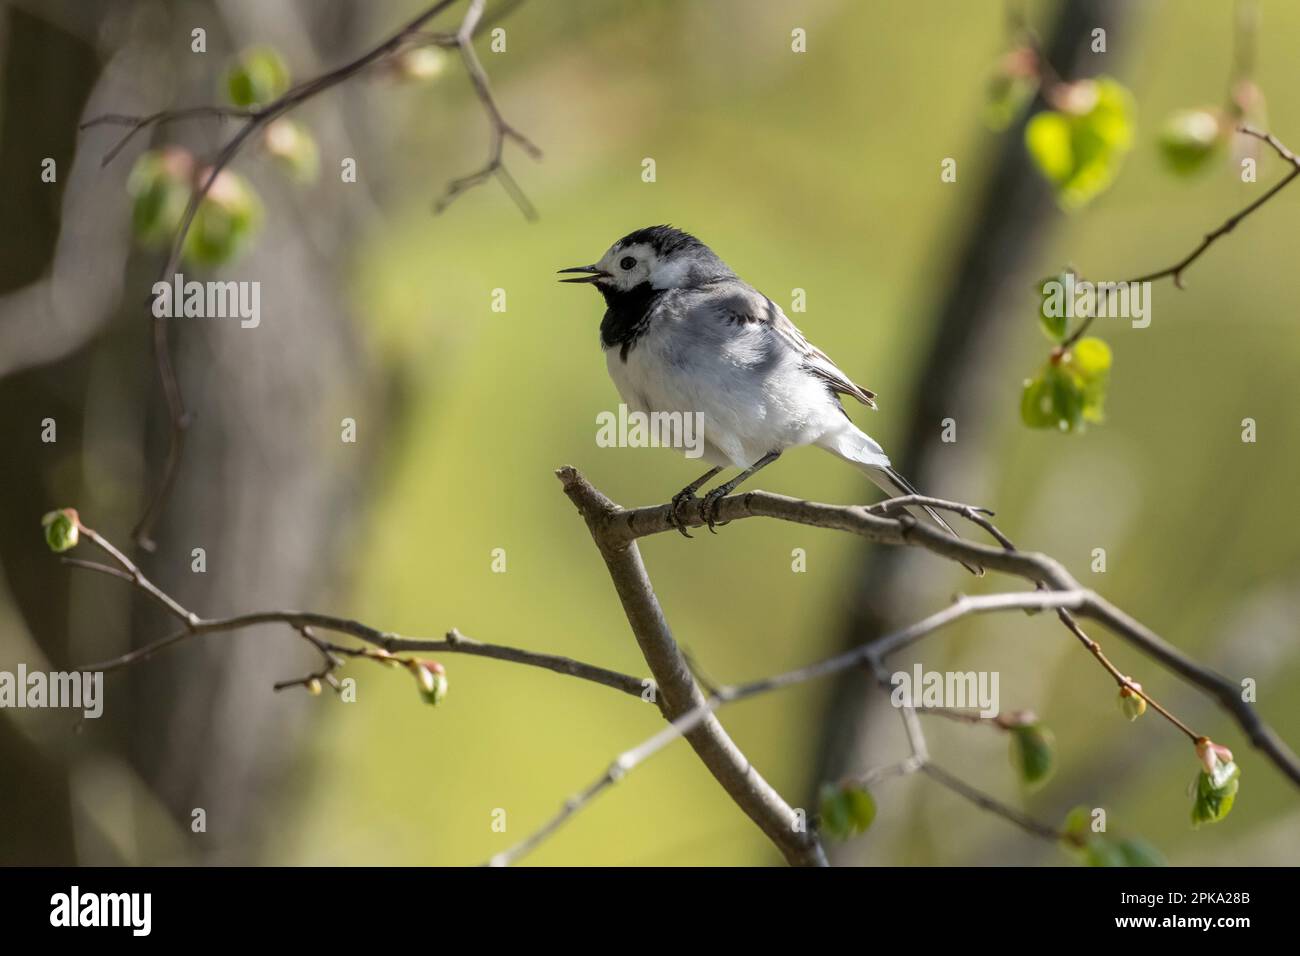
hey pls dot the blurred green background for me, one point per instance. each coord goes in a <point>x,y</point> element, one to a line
<point>817,171</point>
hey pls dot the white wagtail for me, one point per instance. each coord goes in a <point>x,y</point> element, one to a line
<point>683,333</point>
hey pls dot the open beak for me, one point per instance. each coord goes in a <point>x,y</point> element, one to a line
<point>596,275</point>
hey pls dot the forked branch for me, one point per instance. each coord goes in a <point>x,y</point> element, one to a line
<point>691,712</point>
<point>616,530</point>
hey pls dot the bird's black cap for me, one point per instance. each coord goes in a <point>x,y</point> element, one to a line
<point>664,240</point>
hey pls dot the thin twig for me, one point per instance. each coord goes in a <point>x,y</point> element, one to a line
<point>920,761</point>
<point>967,716</point>
<point>686,722</point>
<point>1120,678</point>
<point>1176,270</point>
<point>979,517</point>
<point>986,802</point>
<point>302,621</point>
<point>618,768</point>
<point>501,131</point>
<point>136,124</point>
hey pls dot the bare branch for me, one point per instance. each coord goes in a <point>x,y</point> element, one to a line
<point>921,761</point>
<point>501,130</point>
<point>618,526</point>
<point>681,695</point>
<point>302,621</point>
<point>963,789</point>
<point>896,506</point>
<point>690,721</point>
<point>137,123</point>
<point>1123,681</point>
<point>619,767</point>
<point>690,713</point>
<point>450,40</point>
<point>1176,270</point>
<point>967,716</point>
<point>985,802</point>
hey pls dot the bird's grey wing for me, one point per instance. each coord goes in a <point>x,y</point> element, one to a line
<point>736,302</point>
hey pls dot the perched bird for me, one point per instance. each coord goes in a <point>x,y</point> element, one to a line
<point>683,333</point>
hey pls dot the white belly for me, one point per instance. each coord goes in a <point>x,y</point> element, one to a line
<point>752,401</point>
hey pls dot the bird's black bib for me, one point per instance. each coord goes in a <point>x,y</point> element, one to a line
<point>627,316</point>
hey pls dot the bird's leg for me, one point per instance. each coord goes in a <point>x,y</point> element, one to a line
<point>709,510</point>
<point>688,494</point>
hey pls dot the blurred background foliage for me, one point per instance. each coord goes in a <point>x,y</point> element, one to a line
<point>817,171</point>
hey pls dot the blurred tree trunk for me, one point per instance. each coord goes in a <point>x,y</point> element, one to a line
<point>980,310</point>
<point>47,75</point>
<point>267,488</point>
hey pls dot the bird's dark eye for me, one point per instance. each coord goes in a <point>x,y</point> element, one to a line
<point>627,262</point>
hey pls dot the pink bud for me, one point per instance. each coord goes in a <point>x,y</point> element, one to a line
<point>1212,754</point>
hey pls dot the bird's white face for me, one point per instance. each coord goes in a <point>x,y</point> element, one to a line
<point>623,268</point>
<point>626,268</point>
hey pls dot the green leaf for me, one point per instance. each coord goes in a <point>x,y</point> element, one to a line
<point>1071,388</point>
<point>1094,849</point>
<point>862,809</point>
<point>257,77</point>
<point>1033,753</point>
<point>1067,399</point>
<point>1047,136</point>
<point>225,222</point>
<point>1215,793</point>
<point>846,811</point>
<point>1052,307</point>
<point>62,529</point>
<point>1090,358</point>
<point>1080,152</point>
<point>159,183</point>
<point>1100,851</point>
<point>1078,821</point>
<point>1088,363</point>
<point>1140,853</point>
<point>833,813</point>
<point>1190,138</point>
<point>1036,403</point>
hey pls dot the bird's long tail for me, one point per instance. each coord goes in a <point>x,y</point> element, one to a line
<point>862,450</point>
